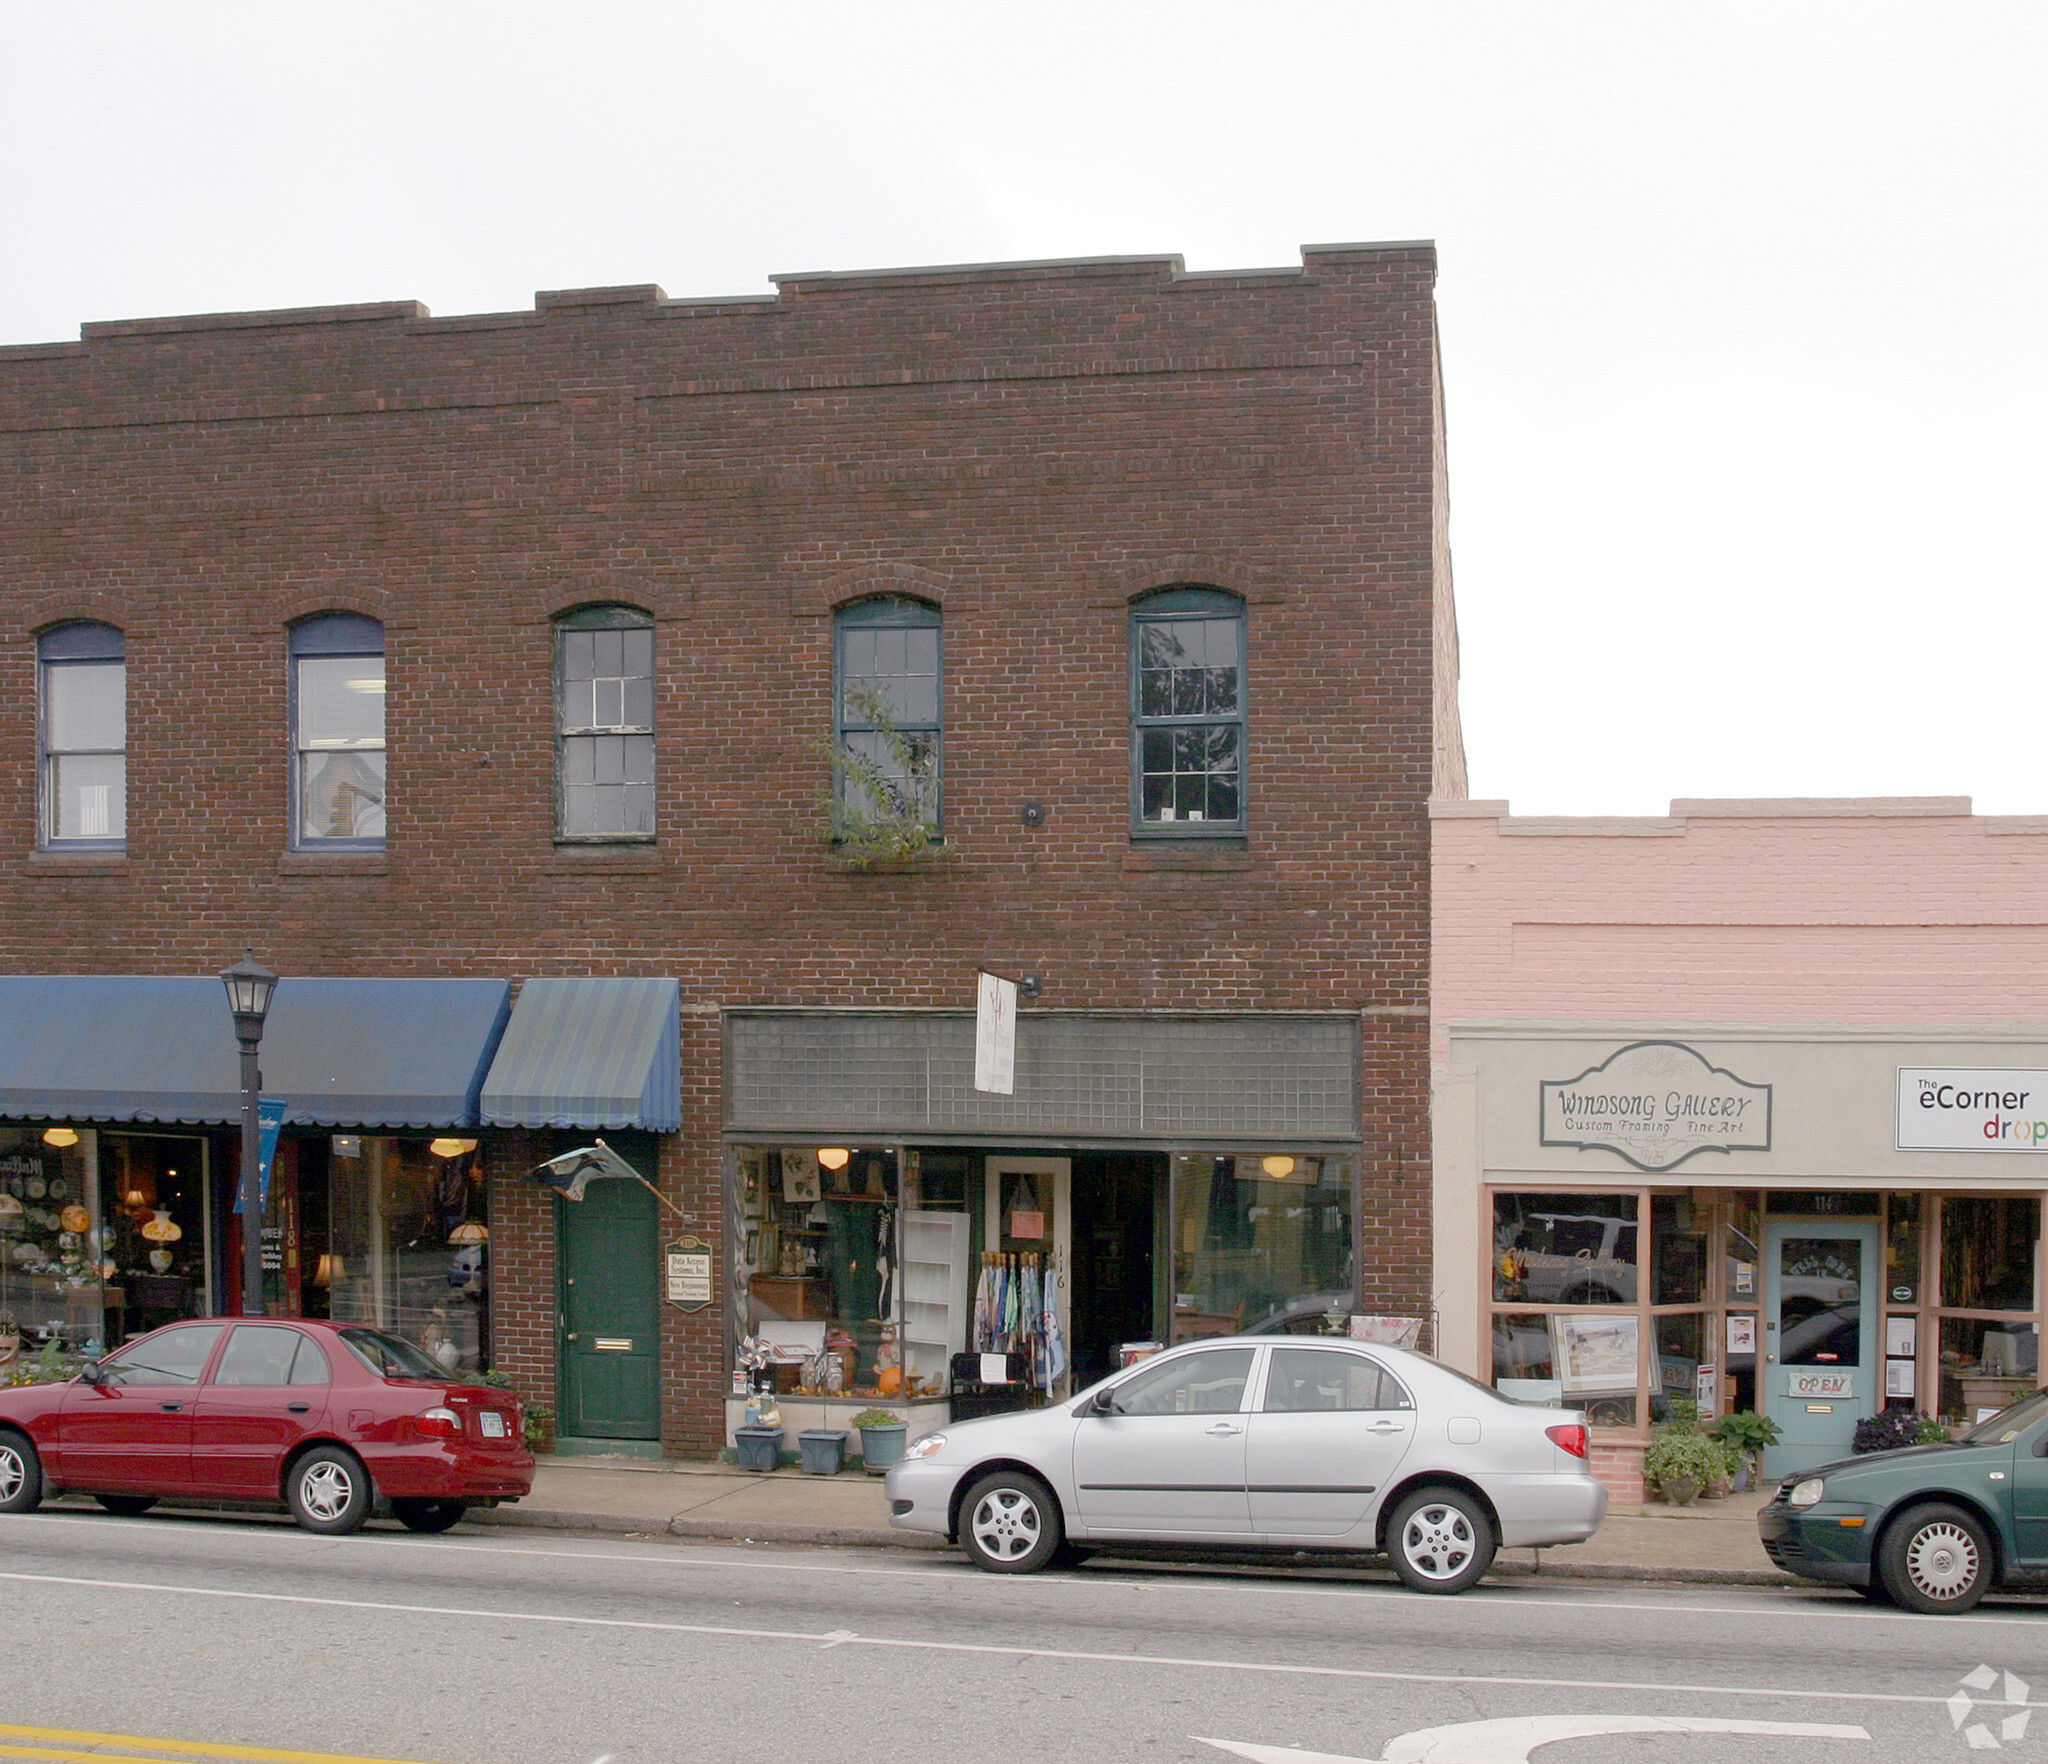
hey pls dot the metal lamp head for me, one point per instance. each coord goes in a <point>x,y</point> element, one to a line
<point>250,985</point>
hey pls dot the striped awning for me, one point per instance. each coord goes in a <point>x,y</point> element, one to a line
<point>153,1047</point>
<point>590,1053</point>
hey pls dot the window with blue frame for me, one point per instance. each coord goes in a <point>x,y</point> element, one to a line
<point>337,682</point>
<point>82,726</point>
<point>604,698</point>
<point>889,710</point>
<point>1187,714</point>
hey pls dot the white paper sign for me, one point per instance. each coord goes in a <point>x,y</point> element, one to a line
<point>1899,1334</point>
<point>1802,1383</point>
<point>1741,1334</point>
<point>1898,1378</point>
<point>995,1369</point>
<point>1970,1108</point>
<point>995,1035</point>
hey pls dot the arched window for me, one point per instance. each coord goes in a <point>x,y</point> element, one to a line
<point>82,725</point>
<point>604,708</point>
<point>1187,714</point>
<point>888,705</point>
<point>337,662</point>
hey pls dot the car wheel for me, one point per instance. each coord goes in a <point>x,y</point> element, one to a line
<point>328,1491</point>
<point>1440,1540</point>
<point>128,1506</point>
<point>1010,1524</point>
<point>428,1515</point>
<point>21,1475</point>
<point>1935,1559</point>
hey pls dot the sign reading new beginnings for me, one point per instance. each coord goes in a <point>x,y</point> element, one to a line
<point>1965,1108</point>
<point>1657,1103</point>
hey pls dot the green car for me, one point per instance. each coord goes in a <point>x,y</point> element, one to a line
<point>1931,1528</point>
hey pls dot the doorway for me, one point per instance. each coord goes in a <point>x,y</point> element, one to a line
<point>1821,1365</point>
<point>1116,1213</point>
<point>607,1254</point>
<point>1028,1208</point>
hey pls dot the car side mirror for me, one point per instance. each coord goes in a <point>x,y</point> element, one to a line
<point>92,1373</point>
<point>2041,1446</point>
<point>1105,1403</point>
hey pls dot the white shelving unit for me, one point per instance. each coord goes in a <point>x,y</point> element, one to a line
<point>936,1250</point>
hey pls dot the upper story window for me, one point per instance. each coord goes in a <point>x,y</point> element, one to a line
<point>83,725</point>
<point>338,731</point>
<point>604,708</point>
<point>887,707</point>
<point>1187,714</point>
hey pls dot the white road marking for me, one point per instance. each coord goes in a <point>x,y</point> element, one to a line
<point>1511,1741</point>
<point>989,1649</point>
<point>1179,1577</point>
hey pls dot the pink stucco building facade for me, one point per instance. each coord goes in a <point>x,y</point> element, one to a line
<point>1750,1100</point>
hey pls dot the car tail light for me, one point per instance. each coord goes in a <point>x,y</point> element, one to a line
<point>440,1424</point>
<point>1571,1435</point>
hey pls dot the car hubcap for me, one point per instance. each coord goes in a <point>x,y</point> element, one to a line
<point>1437,1542</point>
<point>1941,1561</point>
<point>12,1473</point>
<point>1006,1524</point>
<point>326,1491</point>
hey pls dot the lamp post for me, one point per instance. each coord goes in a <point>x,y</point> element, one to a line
<point>250,985</point>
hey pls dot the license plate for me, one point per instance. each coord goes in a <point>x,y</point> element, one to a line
<point>492,1423</point>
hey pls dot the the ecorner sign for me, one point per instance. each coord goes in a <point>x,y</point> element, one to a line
<point>1965,1108</point>
<point>1657,1103</point>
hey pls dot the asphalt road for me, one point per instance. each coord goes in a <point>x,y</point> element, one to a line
<point>183,1636</point>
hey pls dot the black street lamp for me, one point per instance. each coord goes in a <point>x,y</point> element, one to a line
<point>250,985</point>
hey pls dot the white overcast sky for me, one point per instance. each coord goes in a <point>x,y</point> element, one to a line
<point>1742,305</point>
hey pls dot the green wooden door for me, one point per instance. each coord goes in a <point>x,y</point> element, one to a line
<point>607,1256</point>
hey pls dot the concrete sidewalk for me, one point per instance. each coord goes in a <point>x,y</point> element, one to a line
<point>1715,1542</point>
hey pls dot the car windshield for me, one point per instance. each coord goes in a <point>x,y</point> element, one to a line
<point>2008,1424</point>
<point>391,1356</point>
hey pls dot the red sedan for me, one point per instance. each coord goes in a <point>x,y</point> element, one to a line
<point>325,1417</point>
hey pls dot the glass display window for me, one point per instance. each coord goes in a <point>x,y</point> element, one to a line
<point>1678,1250</point>
<point>1989,1247</point>
<point>1565,1249</point>
<point>155,1196</point>
<point>52,1248</point>
<point>1259,1242</point>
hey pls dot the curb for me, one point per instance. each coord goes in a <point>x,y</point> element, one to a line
<point>867,1537</point>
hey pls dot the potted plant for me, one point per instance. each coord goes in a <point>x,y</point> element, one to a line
<point>1682,1463</point>
<point>1747,1434</point>
<point>881,1438</point>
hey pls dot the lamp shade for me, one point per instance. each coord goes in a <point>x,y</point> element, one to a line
<point>249,985</point>
<point>60,1136</point>
<point>1279,1166</point>
<point>470,1231</point>
<point>834,1157</point>
<point>450,1148</point>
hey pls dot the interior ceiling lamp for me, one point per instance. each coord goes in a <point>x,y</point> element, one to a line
<point>1278,1166</point>
<point>331,1269</point>
<point>834,1157</point>
<point>450,1148</point>
<point>60,1136</point>
<point>470,1231</point>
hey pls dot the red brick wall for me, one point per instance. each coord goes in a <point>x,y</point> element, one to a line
<point>1029,447</point>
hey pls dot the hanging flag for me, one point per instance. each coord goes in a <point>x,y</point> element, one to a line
<point>568,1174</point>
<point>995,1035</point>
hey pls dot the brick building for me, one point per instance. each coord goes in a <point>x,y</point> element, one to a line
<point>1742,1105</point>
<point>490,665</point>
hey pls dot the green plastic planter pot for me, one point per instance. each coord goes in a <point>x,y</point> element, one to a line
<point>881,1447</point>
<point>824,1452</point>
<point>760,1448</point>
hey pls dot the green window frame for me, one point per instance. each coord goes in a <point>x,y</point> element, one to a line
<point>1188,735</point>
<point>892,648</point>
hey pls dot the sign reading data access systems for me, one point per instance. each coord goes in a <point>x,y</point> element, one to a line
<point>1969,1108</point>
<point>1657,1103</point>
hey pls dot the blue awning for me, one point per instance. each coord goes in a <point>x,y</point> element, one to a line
<point>343,1053</point>
<point>590,1053</point>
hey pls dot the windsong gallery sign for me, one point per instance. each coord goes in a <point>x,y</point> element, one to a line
<point>1657,1103</point>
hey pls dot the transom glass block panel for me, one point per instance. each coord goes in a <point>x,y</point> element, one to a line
<point>88,796</point>
<point>341,794</point>
<point>1188,667</point>
<point>1987,1253</point>
<point>897,666</point>
<point>1190,774</point>
<point>85,706</point>
<point>607,783</point>
<point>608,680</point>
<point>1565,1249</point>
<point>341,701</point>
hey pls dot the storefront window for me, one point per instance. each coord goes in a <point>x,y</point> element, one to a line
<point>1987,1363</point>
<point>1902,1249</point>
<point>405,1246</point>
<point>1674,1372</point>
<point>1987,1253</point>
<point>1678,1250</point>
<point>153,1198</point>
<point>51,1285</point>
<point>817,1272</point>
<point>1565,1249</point>
<point>1259,1242</point>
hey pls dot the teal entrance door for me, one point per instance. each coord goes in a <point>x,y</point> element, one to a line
<point>607,1255</point>
<point>1821,1368</point>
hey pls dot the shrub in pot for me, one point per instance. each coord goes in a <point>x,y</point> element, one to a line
<point>1682,1463</point>
<point>1747,1435</point>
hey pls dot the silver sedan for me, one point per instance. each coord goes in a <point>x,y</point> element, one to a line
<point>1287,1443</point>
